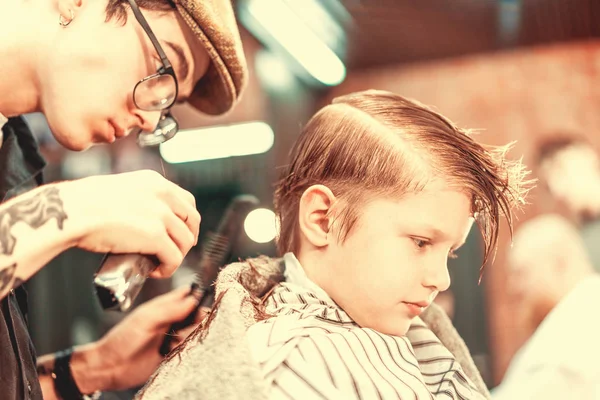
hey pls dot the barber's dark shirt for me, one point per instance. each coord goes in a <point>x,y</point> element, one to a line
<point>20,171</point>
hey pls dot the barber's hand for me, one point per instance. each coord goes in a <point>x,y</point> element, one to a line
<point>130,349</point>
<point>136,212</point>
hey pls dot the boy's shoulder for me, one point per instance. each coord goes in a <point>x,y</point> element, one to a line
<point>312,326</point>
<point>309,346</point>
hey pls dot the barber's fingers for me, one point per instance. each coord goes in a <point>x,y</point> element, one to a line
<point>163,311</point>
<point>183,205</point>
<point>151,216</point>
<point>177,244</point>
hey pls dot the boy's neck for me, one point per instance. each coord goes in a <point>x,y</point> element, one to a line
<point>311,262</point>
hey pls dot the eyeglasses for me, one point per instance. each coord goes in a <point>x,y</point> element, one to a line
<point>156,92</point>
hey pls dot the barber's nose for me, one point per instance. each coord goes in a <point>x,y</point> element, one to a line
<point>148,120</point>
<point>437,277</point>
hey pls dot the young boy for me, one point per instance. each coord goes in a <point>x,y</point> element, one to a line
<point>380,191</point>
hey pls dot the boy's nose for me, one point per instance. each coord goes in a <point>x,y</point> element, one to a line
<point>437,277</point>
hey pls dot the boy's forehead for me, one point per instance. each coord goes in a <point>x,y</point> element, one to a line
<point>439,212</point>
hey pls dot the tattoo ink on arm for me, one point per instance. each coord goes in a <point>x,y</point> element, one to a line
<point>34,211</point>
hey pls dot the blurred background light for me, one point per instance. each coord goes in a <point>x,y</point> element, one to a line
<point>218,142</point>
<point>273,71</point>
<point>278,26</point>
<point>261,225</point>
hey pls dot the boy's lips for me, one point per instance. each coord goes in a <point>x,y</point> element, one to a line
<point>416,308</point>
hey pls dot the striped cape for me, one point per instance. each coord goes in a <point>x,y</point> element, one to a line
<point>224,366</point>
<point>312,349</point>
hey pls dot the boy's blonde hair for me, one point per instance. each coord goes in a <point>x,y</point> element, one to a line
<point>378,144</point>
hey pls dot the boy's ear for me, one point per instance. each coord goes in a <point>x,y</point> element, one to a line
<point>314,219</point>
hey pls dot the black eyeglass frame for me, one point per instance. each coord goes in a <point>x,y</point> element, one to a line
<point>165,69</point>
<point>151,138</point>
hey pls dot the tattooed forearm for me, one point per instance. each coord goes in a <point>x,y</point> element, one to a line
<point>34,211</point>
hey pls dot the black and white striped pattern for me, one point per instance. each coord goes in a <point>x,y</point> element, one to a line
<point>312,349</point>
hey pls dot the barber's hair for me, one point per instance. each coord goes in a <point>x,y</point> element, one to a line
<point>378,144</point>
<point>549,146</point>
<point>117,9</point>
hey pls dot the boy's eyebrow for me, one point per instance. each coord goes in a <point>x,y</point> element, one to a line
<point>434,233</point>
<point>437,234</point>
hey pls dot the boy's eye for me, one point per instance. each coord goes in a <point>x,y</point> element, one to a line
<point>421,243</point>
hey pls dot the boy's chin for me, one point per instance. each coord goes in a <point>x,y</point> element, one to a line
<point>400,328</point>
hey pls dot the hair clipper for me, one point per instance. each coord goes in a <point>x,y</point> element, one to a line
<point>120,278</point>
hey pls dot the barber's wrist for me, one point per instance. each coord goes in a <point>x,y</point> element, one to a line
<point>91,371</point>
